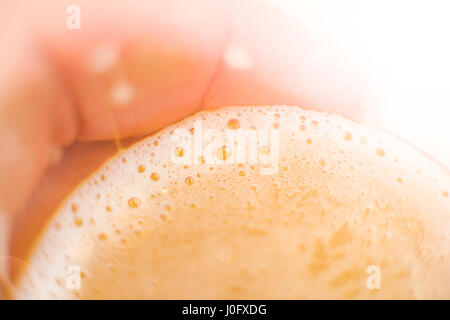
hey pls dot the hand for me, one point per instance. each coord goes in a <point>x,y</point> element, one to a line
<point>68,96</point>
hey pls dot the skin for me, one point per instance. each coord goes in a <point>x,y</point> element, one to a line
<point>57,121</point>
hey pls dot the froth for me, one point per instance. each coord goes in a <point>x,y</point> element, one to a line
<point>343,198</point>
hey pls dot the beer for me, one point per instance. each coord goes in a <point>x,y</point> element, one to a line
<point>252,203</point>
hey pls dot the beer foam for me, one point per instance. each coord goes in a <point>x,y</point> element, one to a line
<point>340,200</point>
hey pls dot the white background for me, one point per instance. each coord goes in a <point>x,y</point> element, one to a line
<point>403,50</point>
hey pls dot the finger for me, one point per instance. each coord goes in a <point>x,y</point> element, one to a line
<point>27,113</point>
<point>177,57</point>
<point>167,70</point>
<point>271,58</point>
<point>139,66</point>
